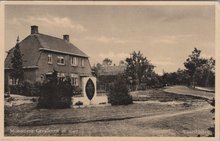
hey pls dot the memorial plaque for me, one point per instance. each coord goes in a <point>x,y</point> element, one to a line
<point>90,89</point>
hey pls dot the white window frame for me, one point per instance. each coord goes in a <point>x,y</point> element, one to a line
<point>49,59</point>
<point>12,81</point>
<point>74,61</point>
<point>59,58</point>
<point>82,62</point>
<point>60,75</point>
<point>74,80</point>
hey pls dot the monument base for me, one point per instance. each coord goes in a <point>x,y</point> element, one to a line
<point>89,93</point>
<point>95,101</point>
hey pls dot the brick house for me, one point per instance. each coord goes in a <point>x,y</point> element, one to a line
<point>44,53</point>
<point>107,75</point>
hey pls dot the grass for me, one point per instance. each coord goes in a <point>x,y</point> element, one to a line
<point>177,115</point>
<point>91,114</point>
<point>163,95</point>
<point>153,124</point>
<point>193,124</point>
<point>183,90</point>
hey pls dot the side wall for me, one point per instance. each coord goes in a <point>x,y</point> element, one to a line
<point>67,69</point>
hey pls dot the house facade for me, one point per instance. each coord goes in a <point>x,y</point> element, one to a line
<point>44,53</point>
<point>107,75</point>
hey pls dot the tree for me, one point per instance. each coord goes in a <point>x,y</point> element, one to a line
<point>138,68</point>
<point>199,68</point>
<point>192,63</point>
<point>183,77</point>
<point>205,74</point>
<point>107,62</point>
<point>17,72</point>
<point>122,63</point>
<point>95,69</point>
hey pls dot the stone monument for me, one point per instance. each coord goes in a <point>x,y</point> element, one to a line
<point>89,93</point>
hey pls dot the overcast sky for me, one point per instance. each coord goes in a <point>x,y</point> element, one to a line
<point>166,35</point>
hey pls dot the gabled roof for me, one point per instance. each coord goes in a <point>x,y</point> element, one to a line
<point>30,48</point>
<point>30,52</point>
<point>57,44</point>
<point>111,70</point>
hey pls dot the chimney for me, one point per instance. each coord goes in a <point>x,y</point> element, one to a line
<point>66,38</point>
<point>34,29</point>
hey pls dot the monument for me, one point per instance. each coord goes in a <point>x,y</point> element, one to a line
<point>89,93</point>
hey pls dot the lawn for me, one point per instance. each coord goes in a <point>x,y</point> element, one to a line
<point>183,90</point>
<point>162,114</point>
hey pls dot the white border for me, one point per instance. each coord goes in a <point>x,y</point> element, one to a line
<point>217,51</point>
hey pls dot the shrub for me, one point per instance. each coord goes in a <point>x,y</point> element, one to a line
<point>26,88</point>
<point>77,90</point>
<point>13,89</point>
<point>79,103</point>
<point>142,86</point>
<point>56,93</point>
<point>119,93</point>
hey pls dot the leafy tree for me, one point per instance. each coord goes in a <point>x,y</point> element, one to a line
<point>122,63</point>
<point>138,68</point>
<point>180,77</point>
<point>153,80</point>
<point>17,72</point>
<point>183,77</point>
<point>201,70</point>
<point>95,69</point>
<point>205,74</point>
<point>107,62</point>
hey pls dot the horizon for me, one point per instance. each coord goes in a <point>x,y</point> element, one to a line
<point>102,32</point>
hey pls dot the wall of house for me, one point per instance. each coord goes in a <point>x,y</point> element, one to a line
<point>67,69</point>
<point>30,75</point>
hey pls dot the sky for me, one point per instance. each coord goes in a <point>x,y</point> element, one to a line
<point>165,34</point>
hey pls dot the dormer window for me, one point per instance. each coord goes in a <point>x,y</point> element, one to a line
<point>49,56</point>
<point>74,61</point>
<point>60,60</point>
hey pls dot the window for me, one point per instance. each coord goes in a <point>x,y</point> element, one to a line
<point>74,80</point>
<point>82,62</point>
<point>49,56</point>
<point>12,81</point>
<point>74,61</point>
<point>60,60</point>
<point>60,75</point>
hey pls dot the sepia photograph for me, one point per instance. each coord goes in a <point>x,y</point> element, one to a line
<point>109,70</point>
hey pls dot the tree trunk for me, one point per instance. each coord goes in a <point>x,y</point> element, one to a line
<point>193,81</point>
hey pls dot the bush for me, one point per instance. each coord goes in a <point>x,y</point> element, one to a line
<point>13,89</point>
<point>77,90</point>
<point>142,86</point>
<point>26,88</point>
<point>119,93</point>
<point>56,93</point>
<point>79,103</point>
